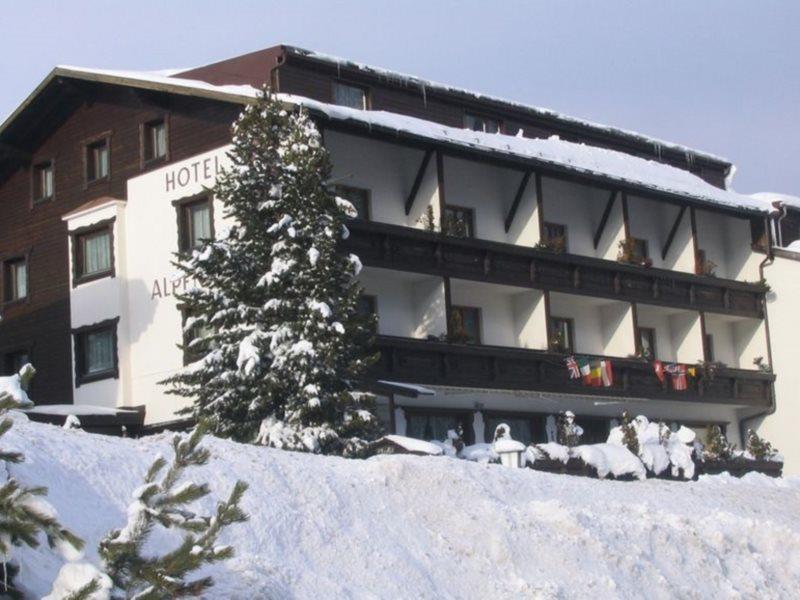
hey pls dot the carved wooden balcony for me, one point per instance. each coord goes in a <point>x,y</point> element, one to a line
<point>409,249</point>
<point>493,367</point>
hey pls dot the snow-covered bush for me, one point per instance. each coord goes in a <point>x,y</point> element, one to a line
<point>162,500</point>
<point>569,433</point>
<point>657,447</point>
<point>24,515</point>
<point>717,445</point>
<point>278,298</point>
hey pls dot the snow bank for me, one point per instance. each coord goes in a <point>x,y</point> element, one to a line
<point>412,527</point>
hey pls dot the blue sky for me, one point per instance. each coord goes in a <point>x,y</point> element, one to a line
<point>719,75</point>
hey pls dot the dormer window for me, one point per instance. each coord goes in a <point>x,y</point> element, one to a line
<point>348,95</point>
<point>481,123</point>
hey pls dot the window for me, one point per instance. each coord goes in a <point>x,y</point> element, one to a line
<point>154,141</point>
<point>96,352</point>
<point>459,221</point>
<point>97,160</point>
<point>758,235</point>
<point>647,342</point>
<point>14,361</point>
<point>639,248</point>
<point>435,425</point>
<point>43,181</point>
<point>93,252</point>
<point>465,324</point>
<point>358,197</point>
<point>555,236</point>
<point>351,96</point>
<point>709,348</point>
<point>15,276</point>
<point>479,123</point>
<point>196,223</point>
<point>193,332</point>
<point>562,332</point>
<point>367,306</point>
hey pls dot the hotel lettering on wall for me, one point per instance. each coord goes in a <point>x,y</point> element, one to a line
<point>166,287</point>
<point>194,173</point>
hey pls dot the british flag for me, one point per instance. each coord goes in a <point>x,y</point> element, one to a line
<point>573,368</point>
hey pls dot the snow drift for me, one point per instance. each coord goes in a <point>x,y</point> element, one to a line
<point>435,527</point>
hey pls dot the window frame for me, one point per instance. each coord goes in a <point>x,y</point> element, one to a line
<point>477,115</point>
<point>367,200</point>
<point>187,355</point>
<point>471,211</point>
<point>651,333</point>
<point>570,334</point>
<point>465,418</point>
<point>546,235</point>
<point>8,281</point>
<point>144,161</point>
<point>77,235</point>
<point>345,83</point>
<point>88,145</point>
<point>7,353</point>
<point>182,206</point>
<point>478,320</point>
<point>36,182</point>
<point>79,335</point>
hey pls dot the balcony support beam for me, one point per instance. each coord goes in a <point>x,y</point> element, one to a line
<point>604,219</point>
<point>523,185</point>
<point>672,232</point>
<point>412,195</point>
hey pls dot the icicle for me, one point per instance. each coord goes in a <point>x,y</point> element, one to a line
<point>339,68</point>
<point>424,95</point>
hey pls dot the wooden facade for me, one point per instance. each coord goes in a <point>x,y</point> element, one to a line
<point>40,325</point>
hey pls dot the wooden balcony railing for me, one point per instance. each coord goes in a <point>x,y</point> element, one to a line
<point>409,249</point>
<point>440,363</point>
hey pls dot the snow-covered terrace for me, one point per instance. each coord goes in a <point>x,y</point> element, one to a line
<point>600,166</point>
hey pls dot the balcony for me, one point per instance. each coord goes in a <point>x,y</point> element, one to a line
<point>407,249</point>
<point>493,367</point>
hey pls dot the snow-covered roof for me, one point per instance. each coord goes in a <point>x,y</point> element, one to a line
<point>610,166</point>
<point>80,410</point>
<point>769,197</point>
<point>414,445</point>
<point>425,85</point>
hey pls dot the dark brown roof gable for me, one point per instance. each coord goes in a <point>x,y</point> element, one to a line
<point>253,69</point>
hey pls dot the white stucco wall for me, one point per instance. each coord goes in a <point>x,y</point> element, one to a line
<point>726,241</point>
<point>652,221</point>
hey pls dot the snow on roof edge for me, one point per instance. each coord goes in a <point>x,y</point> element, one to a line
<point>579,158</point>
<point>542,111</point>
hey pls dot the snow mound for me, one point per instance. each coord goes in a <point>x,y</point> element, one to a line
<point>412,527</point>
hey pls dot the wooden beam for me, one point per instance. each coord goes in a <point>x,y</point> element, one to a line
<point>637,339</point>
<point>440,184</point>
<point>448,307</point>
<point>626,222</point>
<point>672,232</point>
<point>540,204</point>
<point>604,219</point>
<point>695,242</point>
<point>412,196</point>
<point>517,199</point>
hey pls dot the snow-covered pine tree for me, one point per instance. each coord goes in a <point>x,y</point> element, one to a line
<point>163,502</point>
<point>718,447</point>
<point>758,447</point>
<point>24,515</point>
<point>287,344</point>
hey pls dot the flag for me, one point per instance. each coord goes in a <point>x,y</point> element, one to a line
<point>573,368</point>
<point>692,371</point>
<point>607,373</point>
<point>658,367</point>
<point>596,374</point>
<point>586,371</point>
<point>678,374</point>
